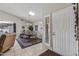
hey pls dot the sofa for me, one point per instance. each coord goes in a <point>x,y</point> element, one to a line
<point>6,41</point>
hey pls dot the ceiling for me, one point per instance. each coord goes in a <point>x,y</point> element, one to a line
<point>40,9</point>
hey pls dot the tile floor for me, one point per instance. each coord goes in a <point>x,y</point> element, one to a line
<point>34,50</point>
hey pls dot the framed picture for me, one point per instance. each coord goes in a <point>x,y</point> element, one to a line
<point>36,27</point>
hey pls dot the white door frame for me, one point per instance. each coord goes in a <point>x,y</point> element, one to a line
<point>49,30</point>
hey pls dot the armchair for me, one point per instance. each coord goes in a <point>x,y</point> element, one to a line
<point>6,41</point>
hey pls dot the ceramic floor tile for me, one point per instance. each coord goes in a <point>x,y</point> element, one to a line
<point>34,50</point>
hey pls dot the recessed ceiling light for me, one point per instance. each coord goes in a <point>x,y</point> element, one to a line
<point>31,13</point>
<point>41,22</point>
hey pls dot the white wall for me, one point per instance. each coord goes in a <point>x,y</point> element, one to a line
<point>8,17</point>
<point>40,28</point>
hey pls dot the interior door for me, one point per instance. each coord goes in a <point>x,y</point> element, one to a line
<point>64,41</point>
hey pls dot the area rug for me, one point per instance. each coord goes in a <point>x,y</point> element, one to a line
<point>28,42</point>
<point>49,53</point>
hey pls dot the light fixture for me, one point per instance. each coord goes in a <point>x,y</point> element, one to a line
<point>31,13</point>
<point>5,22</point>
<point>41,22</point>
